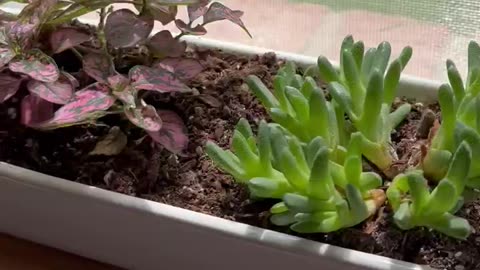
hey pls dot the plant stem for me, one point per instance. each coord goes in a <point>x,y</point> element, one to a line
<point>77,54</point>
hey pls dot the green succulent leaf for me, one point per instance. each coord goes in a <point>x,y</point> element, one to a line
<point>262,92</point>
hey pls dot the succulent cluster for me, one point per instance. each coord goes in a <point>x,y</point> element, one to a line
<point>415,205</point>
<point>460,106</point>
<point>310,157</point>
<point>318,195</point>
<point>363,89</point>
<point>24,57</point>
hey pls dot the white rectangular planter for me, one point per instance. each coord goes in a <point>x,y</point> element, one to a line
<point>139,234</point>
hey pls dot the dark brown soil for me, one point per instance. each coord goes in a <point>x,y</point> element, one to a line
<point>220,99</point>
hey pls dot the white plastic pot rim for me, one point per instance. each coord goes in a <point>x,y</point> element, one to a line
<point>233,229</point>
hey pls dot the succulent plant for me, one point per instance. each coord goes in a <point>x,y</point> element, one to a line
<point>300,106</point>
<point>460,107</point>
<point>416,206</point>
<point>319,195</point>
<point>365,87</point>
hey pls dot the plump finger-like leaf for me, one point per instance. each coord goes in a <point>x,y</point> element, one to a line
<point>441,199</point>
<point>371,121</point>
<point>87,105</point>
<point>279,208</point>
<point>244,128</point>
<point>397,116</point>
<point>218,11</point>
<point>384,50</point>
<point>405,56</point>
<point>341,96</point>
<point>145,117</point>
<point>323,225</point>
<point>124,29</point>
<point>173,134</point>
<point>267,188</point>
<point>452,226</point>
<point>418,190</point>
<point>197,10</point>
<point>198,30</point>
<point>37,65</point>
<point>403,217</point>
<point>473,59</point>
<point>447,105</point>
<point>162,44</point>
<point>297,203</point>
<point>455,81</point>
<point>35,110</point>
<point>66,38</point>
<point>391,81</point>
<point>9,85</point>
<point>6,55</point>
<point>183,68</point>
<point>283,219</point>
<point>359,210</point>
<point>367,64</point>
<point>352,78</point>
<point>320,180</point>
<point>59,92</point>
<point>459,167</point>
<point>226,161</point>
<point>156,79</point>
<point>358,50</point>
<point>327,71</point>
<point>98,66</point>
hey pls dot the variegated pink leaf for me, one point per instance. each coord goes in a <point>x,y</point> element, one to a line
<point>100,87</point>
<point>124,29</point>
<point>37,10</point>
<point>173,134</point>
<point>86,106</point>
<point>9,85</point>
<point>156,79</point>
<point>145,117</point>
<point>197,10</point>
<point>198,30</point>
<point>6,55</point>
<point>66,38</point>
<point>183,68</point>
<point>122,89</point>
<point>21,33</point>
<point>159,11</point>
<point>35,111</point>
<point>59,92</point>
<point>218,12</point>
<point>163,45</point>
<point>37,65</point>
<point>118,82</point>
<point>4,40</point>
<point>98,66</point>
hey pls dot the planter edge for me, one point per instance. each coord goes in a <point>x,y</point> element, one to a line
<point>50,186</point>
